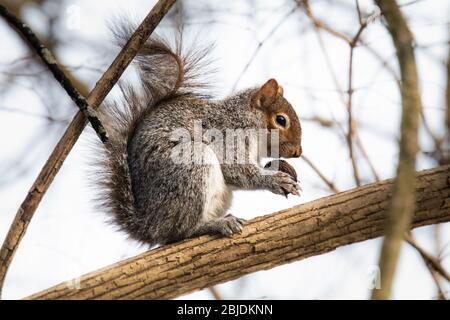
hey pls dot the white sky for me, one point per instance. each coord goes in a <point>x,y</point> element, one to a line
<point>68,238</point>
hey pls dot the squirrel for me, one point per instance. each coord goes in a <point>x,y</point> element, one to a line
<point>153,198</point>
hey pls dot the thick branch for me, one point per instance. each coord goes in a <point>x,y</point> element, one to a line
<point>50,61</point>
<point>403,201</point>
<point>65,144</point>
<point>303,231</point>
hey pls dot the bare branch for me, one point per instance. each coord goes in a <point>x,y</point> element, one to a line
<point>261,43</point>
<point>432,263</point>
<point>318,24</point>
<point>327,181</point>
<point>429,259</point>
<point>215,293</point>
<point>351,124</point>
<point>446,145</point>
<point>352,42</point>
<point>403,201</point>
<point>50,61</point>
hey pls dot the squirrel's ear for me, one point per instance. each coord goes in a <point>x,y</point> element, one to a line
<point>266,95</point>
<point>280,90</point>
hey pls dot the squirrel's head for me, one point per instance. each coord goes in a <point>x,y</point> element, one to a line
<point>280,115</point>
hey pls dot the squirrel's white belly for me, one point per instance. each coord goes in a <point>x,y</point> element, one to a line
<point>217,193</point>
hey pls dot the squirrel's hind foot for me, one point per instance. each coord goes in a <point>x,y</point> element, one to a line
<point>227,226</point>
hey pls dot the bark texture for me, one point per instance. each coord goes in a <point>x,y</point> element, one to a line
<point>297,233</point>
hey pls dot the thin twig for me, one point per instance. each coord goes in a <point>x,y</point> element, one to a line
<point>435,275</point>
<point>352,42</point>
<point>358,10</point>
<point>331,70</point>
<point>317,26</point>
<point>327,181</point>
<point>31,114</point>
<point>440,292</point>
<point>326,123</point>
<point>50,61</point>
<point>364,153</point>
<point>215,293</point>
<point>260,45</point>
<point>429,259</point>
<point>351,124</point>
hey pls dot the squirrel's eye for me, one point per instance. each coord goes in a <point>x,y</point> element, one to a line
<point>281,120</point>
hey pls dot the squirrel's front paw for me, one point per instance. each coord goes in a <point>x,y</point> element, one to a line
<point>282,183</point>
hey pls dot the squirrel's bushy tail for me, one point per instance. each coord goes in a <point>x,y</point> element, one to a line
<point>164,73</point>
<point>166,70</point>
<point>111,172</point>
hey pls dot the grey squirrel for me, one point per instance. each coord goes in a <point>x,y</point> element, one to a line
<point>157,200</point>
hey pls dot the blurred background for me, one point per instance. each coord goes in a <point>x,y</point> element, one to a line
<point>306,47</point>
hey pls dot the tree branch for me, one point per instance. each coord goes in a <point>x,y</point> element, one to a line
<point>327,181</point>
<point>445,158</point>
<point>433,264</point>
<point>351,123</point>
<point>50,61</point>
<point>352,42</point>
<point>17,7</point>
<point>297,233</point>
<point>65,144</point>
<point>403,201</point>
<point>429,259</point>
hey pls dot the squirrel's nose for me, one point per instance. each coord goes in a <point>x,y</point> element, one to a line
<point>297,152</point>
